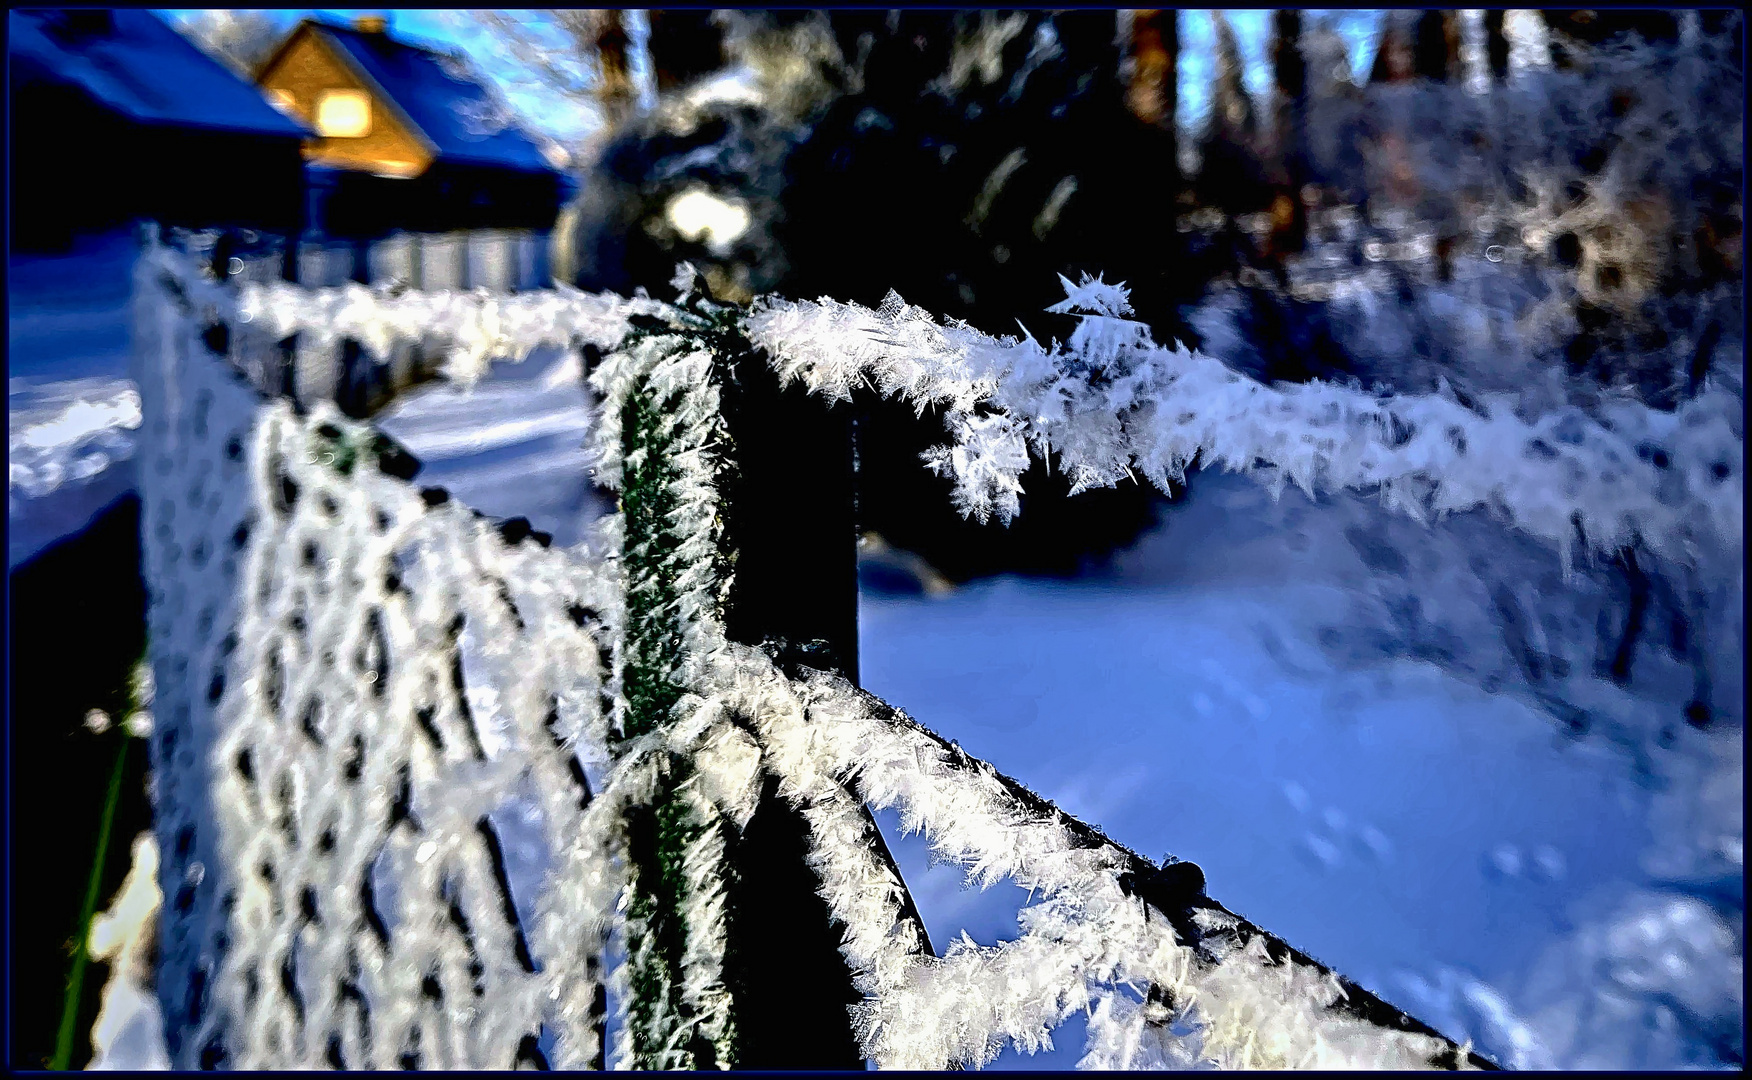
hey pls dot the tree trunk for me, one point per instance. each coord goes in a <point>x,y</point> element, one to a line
<point>615,82</point>
<point>1288,68</point>
<point>1393,56</point>
<point>1152,91</point>
<point>1288,165</point>
<point>1496,44</point>
<point>1436,52</point>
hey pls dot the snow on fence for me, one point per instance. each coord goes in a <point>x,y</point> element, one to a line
<point>333,785</point>
<point>324,366</point>
<point>1111,404</point>
<point>398,746</point>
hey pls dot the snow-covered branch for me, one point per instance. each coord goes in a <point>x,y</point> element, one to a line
<point>1111,404</point>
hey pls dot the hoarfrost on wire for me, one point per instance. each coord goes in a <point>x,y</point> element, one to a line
<point>470,329</point>
<point>1110,404</point>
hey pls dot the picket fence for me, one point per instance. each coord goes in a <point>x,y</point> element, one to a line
<point>496,260</point>
<point>391,760</point>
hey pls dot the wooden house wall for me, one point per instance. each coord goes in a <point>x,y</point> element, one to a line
<point>306,69</point>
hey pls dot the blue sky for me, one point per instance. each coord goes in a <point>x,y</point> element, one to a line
<point>1252,29</point>
<point>1253,33</point>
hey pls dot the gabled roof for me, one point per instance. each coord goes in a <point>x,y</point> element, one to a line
<point>135,64</point>
<point>436,94</point>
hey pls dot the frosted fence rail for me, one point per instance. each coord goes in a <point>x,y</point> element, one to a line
<point>1111,404</point>
<point>390,809</point>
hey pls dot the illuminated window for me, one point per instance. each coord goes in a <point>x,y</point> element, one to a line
<point>343,114</point>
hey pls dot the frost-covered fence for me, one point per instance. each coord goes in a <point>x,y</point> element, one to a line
<point>402,754</point>
<point>1654,496</point>
<point>322,366</point>
<point>351,703</point>
<point>1110,404</point>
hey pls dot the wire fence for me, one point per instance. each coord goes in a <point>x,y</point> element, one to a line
<point>398,746</point>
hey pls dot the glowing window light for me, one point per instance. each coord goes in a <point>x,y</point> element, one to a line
<point>343,114</point>
<point>697,213</point>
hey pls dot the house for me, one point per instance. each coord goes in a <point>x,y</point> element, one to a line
<point>115,117</point>
<point>413,168</point>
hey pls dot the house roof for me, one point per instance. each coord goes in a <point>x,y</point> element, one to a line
<point>437,94</point>
<point>135,64</point>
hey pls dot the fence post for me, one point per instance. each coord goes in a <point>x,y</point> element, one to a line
<point>783,513</point>
<point>491,256</point>
<point>789,510</point>
<point>393,259</point>
<point>524,259</point>
<point>441,261</point>
<point>789,515</point>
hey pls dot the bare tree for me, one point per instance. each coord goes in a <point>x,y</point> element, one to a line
<point>1436,51</point>
<point>1232,108</point>
<point>1496,44</point>
<point>241,40</point>
<point>1286,158</point>
<point>614,87</point>
<point>577,56</point>
<point>1288,68</point>
<point>577,61</point>
<point>1230,177</point>
<point>1155,50</point>
<point>1394,60</point>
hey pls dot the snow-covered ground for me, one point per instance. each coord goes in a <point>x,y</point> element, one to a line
<point>72,411</point>
<point>1443,846</point>
<point>513,446</point>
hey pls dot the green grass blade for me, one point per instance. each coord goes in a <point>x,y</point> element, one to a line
<point>76,978</point>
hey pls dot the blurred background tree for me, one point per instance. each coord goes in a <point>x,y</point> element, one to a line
<point>241,40</point>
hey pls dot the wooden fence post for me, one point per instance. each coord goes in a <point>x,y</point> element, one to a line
<point>441,261</point>
<point>789,517</point>
<point>789,512</point>
<point>490,256</point>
